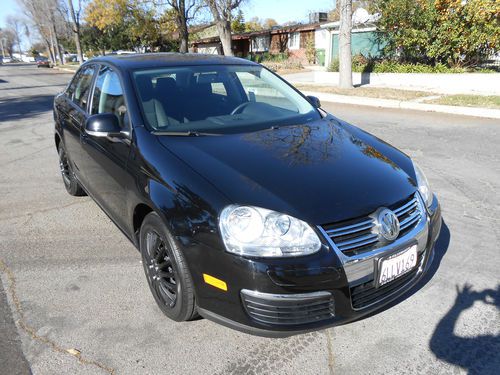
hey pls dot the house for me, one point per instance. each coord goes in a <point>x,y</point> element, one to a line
<point>244,44</point>
<point>297,39</point>
<point>365,38</point>
<point>318,35</point>
<point>293,39</point>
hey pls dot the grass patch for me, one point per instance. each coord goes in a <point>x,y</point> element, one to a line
<point>371,92</point>
<point>491,101</point>
<point>290,71</point>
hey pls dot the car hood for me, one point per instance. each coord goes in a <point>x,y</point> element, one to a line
<point>322,172</point>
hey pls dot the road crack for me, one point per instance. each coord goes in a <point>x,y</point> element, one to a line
<point>330,351</point>
<point>29,215</point>
<point>32,331</point>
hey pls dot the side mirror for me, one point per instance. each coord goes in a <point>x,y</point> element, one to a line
<point>314,101</point>
<point>103,125</point>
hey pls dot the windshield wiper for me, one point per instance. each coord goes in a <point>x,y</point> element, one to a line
<point>189,133</point>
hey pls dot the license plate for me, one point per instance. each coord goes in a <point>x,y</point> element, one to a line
<point>397,265</point>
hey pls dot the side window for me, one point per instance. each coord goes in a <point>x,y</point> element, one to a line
<point>108,95</point>
<point>71,88</point>
<point>82,87</point>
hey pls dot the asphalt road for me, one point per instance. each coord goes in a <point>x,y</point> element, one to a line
<point>72,281</point>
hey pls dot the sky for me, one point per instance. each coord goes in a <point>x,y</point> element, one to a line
<point>281,10</point>
<point>8,7</point>
<point>284,10</point>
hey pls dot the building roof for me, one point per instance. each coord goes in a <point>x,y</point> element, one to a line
<point>158,60</point>
<point>251,34</point>
<point>296,27</point>
<point>369,20</point>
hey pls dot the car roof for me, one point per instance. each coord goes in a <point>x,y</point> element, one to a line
<point>167,59</point>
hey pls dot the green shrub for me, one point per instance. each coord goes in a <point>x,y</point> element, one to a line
<point>310,50</point>
<point>362,64</point>
<point>268,57</point>
<point>334,66</point>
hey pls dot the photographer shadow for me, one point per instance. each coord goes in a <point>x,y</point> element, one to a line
<point>477,355</point>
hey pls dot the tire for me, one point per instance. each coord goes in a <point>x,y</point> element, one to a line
<point>70,182</point>
<point>166,271</point>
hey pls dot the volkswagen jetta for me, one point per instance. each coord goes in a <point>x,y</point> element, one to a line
<point>249,204</point>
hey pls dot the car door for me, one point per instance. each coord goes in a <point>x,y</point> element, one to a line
<point>74,117</point>
<point>106,157</point>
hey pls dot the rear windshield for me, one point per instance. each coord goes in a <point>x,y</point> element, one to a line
<point>218,99</point>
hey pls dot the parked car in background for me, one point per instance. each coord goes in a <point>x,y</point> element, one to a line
<point>42,61</point>
<point>250,205</point>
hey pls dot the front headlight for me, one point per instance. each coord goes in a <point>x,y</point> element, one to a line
<point>423,185</point>
<point>257,232</point>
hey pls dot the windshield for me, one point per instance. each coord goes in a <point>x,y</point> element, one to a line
<point>218,99</point>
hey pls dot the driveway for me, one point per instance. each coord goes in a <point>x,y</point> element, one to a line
<point>75,300</point>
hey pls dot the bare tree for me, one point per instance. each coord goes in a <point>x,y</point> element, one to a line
<point>75,18</point>
<point>345,54</point>
<point>8,39</point>
<point>222,13</point>
<point>15,24</point>
<point>46,16</point>
<point>184,10</point>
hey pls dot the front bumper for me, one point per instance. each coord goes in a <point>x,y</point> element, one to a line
<point>274,298</point>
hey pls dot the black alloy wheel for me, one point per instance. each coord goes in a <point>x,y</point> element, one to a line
<point>70,182</point>
<point>166,272</point>
<point>159,269</point>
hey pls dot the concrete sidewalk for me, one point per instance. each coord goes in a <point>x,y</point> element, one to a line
<point>437,83</point>
<point>406,104</point>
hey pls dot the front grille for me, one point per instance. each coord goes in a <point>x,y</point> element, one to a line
<point>361,235</point>
<point>292,309</point>
<point>366,294</point>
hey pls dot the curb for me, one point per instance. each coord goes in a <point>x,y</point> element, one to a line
<point>65,69</point>
<point>402,104</point>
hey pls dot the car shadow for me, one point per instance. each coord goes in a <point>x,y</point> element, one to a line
<point>12,109</point>
<point>478,354</point>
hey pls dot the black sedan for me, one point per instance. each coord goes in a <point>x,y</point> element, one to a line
<point>250,205</point>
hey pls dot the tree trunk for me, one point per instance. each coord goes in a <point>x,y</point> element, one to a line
<point>345,54</point>
<point>183,48</point>
<point>182,25</point>
<point>53,55</point>
<point>57,45</point>
<point>49,51</point>
<point>76,31</point>
<point>224,29</point>
<point>222,19</point>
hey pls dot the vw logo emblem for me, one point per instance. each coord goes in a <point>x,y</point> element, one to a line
<point>388,224</point>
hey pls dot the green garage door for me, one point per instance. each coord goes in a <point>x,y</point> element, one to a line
<point>364,43</point>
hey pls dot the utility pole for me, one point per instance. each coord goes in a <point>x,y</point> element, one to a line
<point>345,54</point>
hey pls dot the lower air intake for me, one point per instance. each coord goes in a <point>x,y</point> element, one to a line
<point>288,309</point>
